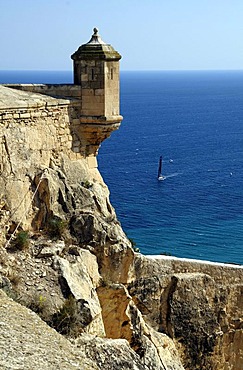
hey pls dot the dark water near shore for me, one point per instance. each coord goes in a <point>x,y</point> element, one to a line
<point>195,120</point>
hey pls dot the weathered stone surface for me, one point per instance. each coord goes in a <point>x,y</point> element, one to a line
<point>122,319</point>
<point>50,248</point>
<point>197,304</point>
<point>163,347</point>
<point>115,261</point>
<point>110,354</point>
<point>26,342</point>
<point>115,302</point>
<point>116,354</point>
<point>80,278</point>
<point>11,98</point>
<point>195,325</point>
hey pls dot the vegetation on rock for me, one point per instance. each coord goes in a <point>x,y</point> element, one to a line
<point>67,320</point>
<point>21,241</point>
<point>56,227</point>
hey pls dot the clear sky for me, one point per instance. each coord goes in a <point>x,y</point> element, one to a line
<point>150,34</point>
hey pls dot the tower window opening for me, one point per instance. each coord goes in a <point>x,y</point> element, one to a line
<point>111,74</point>
<point>92,74</point>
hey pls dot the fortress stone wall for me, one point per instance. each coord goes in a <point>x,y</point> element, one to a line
<point>35,132</point>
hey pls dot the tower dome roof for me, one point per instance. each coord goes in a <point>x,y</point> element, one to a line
<point>96,48</point>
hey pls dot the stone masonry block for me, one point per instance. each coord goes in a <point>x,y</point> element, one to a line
<point>84,77</point>
<point>76,121</point>
<point>89,63</point>
<point>25,115</point>
<point>92,100</point>
<point>99,111</point>
<point>96,84</point>
<point>88,92</point>
<point>99,92</point>
<point>8,116</point>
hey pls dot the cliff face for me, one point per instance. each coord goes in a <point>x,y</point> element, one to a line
<point>197,304</point>
<point>77,269</point>
<point>45,172</point>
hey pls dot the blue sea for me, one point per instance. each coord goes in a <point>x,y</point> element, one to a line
<point>194,119</point>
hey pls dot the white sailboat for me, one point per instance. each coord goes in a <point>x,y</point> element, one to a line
<point>160,176</point>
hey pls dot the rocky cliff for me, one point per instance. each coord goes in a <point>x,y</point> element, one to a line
<point>74,293</point>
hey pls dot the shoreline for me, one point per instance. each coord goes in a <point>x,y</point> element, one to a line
<point>201,262</point>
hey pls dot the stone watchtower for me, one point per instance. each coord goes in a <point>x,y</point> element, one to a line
<point>96,70</point>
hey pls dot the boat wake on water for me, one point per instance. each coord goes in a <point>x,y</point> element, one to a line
<point>172,175</point>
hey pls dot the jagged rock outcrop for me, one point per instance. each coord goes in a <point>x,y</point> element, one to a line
<point>82,284</point>
<point>122,319</point>
<point>195,304</point>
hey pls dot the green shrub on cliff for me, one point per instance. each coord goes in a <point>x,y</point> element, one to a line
<point>56,227</point>
<point>67,320</point>
<point>21,241</point>
<point>37,303</point>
